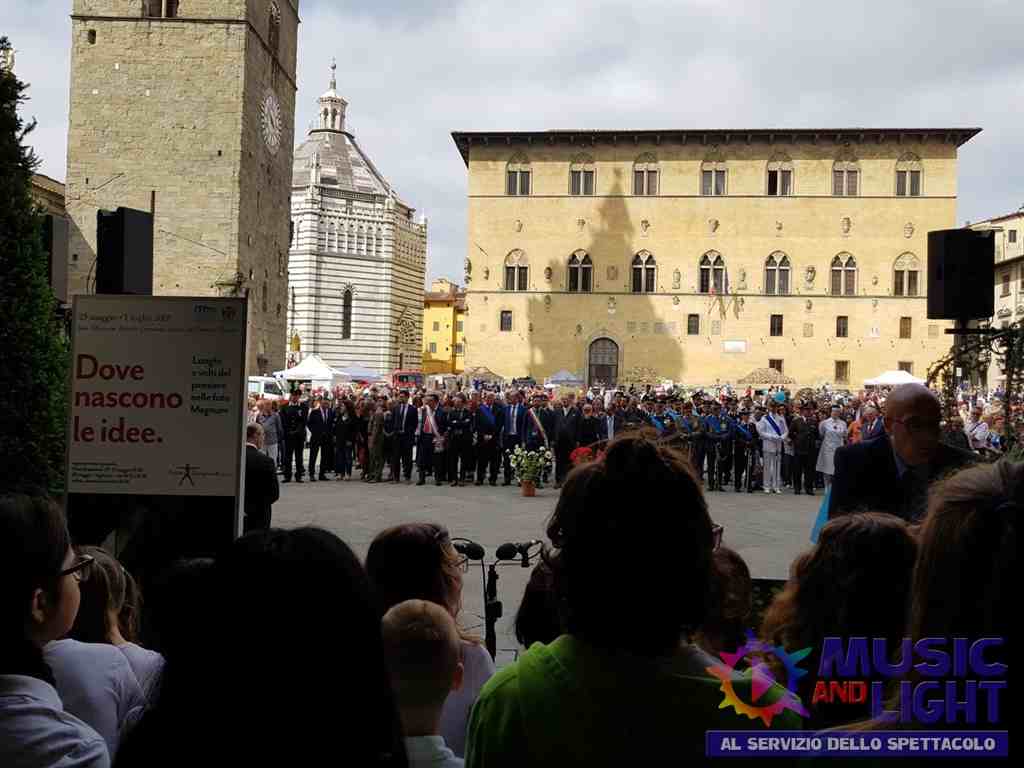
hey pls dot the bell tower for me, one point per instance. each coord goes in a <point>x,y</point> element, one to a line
<point>186,108</point>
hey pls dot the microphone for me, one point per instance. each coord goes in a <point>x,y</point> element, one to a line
<point>510,551</point>
<point>507,552</point>
<point>469,549</point>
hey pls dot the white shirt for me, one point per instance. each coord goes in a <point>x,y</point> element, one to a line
<point>147,665</point>
<point>478,668</point>
<point>97,684</point>
<point>430,752</point>
<point>36,732</point>
<point>772,440</point>
<point>977,434</point>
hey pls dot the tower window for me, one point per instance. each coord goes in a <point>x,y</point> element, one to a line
<point>693,325</point>
<point>775,326</point>
<point>160,9</point>
<point>346,314</point>
<point>92,37</point>
<point>842,326</point>
<point>506,320</point>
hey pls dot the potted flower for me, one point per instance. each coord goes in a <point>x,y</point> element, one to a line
<point>528,466</point>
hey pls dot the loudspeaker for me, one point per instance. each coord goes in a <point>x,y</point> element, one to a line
<point>961,274</point>
<point>124,251</point>
<point>55,244</point>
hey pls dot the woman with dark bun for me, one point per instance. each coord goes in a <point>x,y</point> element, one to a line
<point>631,564</point>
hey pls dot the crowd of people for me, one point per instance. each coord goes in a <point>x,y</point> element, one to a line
<point>769,440</point>
<point>286,649</point>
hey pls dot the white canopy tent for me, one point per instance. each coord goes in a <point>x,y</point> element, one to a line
<point>893,379</point>
<point>314,369</point>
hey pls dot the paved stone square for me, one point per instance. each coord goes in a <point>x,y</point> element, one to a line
<point>768,531</point>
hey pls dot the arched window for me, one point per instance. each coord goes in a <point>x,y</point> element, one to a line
<point>844,275</point>
<point>517,271</point>
<point>645,175</point>
<point>581,175</point>
<point>580,273</point>
<point>908,176</point>
<point>845,175</point>
<point>321,235</point>
<point>274,32</point>
<point>332,237</point>
<point>379,246</point>
<point>517,176</point>
<point>904,275</point>
<point>346,314</point>
<point>776,275</point>
<point>780,175</point>
<point>713,175</point>
<point>644,273</point>
<point>712,273</point>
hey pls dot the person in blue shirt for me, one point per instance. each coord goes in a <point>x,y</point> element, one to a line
<point>718,432</point>
<point>744,434</point>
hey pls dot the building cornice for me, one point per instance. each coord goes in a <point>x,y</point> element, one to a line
<point>582,139</point>
<point>185,20</point>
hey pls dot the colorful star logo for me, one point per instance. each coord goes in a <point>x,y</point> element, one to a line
<point>761,679</point>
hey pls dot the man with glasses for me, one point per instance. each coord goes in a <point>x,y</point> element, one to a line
<point>892,473</point>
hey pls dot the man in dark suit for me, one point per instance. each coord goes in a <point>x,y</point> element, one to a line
<point>892,473</point>
<point>293,417</point>
<point>803,432</point>
<point>430,455</point>
<point>612,422</point>
<point>321,438</point>
<point>404,422</point>
<point>567,436</point>
<point>487,424</point>
<point>513,431</point>
<point>261,488</point>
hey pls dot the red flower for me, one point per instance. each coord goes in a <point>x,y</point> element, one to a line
<point>581,455</point>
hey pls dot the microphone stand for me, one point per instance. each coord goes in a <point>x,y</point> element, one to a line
<point>492,610</point>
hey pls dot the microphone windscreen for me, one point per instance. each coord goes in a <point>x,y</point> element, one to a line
<point>507,552</point>
<point>470,549</point>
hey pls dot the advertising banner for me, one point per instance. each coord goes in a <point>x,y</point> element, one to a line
<point>158,395</point>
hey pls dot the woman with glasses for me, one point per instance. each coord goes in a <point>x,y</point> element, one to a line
<point>417,561</point>
<point>39,598</point>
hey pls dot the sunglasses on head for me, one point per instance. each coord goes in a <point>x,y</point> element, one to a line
<point>442,537</point>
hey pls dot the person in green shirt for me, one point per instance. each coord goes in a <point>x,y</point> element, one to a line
<point>622,686</point>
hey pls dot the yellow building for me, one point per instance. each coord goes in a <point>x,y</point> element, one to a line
<point>444,338</point>
<point>1009,275</point>
<point>705,254</point>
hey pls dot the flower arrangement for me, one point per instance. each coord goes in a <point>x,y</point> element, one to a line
<point>581,455</point>
<point>529,465</point>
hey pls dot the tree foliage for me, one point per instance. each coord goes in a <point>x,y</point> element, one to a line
<point>34,354</point>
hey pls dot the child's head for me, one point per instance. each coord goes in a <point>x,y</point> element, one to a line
<point>731,603</point>
<point>110,601</point>
<point>424,655</point>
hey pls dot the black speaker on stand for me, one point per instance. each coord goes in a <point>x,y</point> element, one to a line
<point>124,251</point>
<point>961,274</point>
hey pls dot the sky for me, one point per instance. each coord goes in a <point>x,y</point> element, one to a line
<point>414,71</point>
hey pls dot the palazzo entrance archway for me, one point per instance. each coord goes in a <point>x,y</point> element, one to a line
<point>603,363</point>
